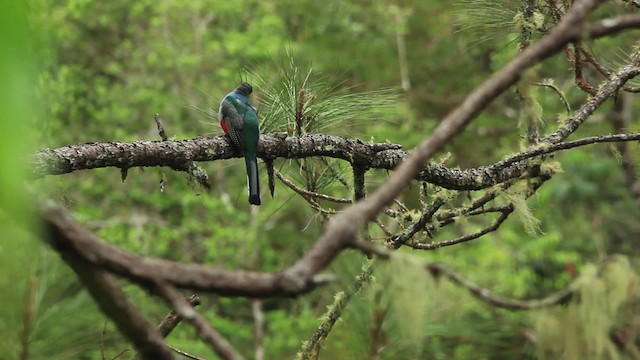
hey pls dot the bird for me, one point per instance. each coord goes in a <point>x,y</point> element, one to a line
<point>239,121</point>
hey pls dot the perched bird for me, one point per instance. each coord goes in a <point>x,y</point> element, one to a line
<point>239,120</point>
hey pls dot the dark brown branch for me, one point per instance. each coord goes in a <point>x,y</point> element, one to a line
<point>493,227</point>
<point>173,318</point>
<point>106,292</point>
<point>604,92</point>
<point>218,343</point>
<point>171,321</point>
<point>560,297</point>
<point>399,240</point>
<point>358,182</point>
<point>74,240</point>
<point>576,61</point>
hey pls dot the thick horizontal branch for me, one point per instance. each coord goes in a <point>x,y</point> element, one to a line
<point>372,155</point>
<point>176,153</point>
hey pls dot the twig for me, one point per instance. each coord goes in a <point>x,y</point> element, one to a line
<point>358,182</point>
<point>570,145</point>
<point>604,92</point>
<point>217,342</point>
<point>493,227</point>
<point>311,348</point>
<point>184,353</point>
<point>560,297</point>
<point>304,192</point>
<point>160,125</point>
<point>505,211</point>
<point>398,240</point>
<point>576,61</point>
<point>194,171</point>
<point>270,176</point>
<point>173,318</point>
<point>557,91</point>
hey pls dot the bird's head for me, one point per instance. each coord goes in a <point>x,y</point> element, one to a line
<point>244,89</point>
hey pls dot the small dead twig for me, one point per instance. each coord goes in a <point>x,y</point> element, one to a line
<point>160,125</point>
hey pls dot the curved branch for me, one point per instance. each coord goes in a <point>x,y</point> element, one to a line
<point>113,301</point>
<point>71,239</point>
<point>560,297</point>
<point>493,227</point>
<point>218,343</point>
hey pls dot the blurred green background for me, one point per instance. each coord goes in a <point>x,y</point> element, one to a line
<point>82,70</point>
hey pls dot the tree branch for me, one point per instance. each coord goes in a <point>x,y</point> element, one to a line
<point>311,348</point>
<point>173,318</point>
<point>106,292</point>
<point>74,240</point>
<point>560,297</point>
<point>218,343</point>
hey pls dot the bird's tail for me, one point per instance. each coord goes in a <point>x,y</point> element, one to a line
<point>252,177</point>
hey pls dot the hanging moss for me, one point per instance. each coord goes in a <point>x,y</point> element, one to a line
<point>584,329</point>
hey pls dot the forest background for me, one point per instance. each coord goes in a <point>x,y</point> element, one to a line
<point>385,71</point>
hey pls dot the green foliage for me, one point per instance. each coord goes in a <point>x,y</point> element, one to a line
<point>489,20</point>
<point>296,100</point>
<point>107,67</point>
<point>585,328</point>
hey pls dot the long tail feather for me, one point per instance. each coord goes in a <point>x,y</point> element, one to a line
<point>252,177</point>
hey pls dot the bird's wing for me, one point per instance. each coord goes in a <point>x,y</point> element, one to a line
<point>233,120</point>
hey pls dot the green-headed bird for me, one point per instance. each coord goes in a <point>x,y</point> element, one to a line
<point>239,120</point>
